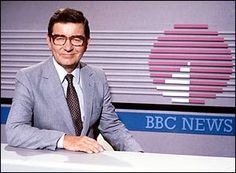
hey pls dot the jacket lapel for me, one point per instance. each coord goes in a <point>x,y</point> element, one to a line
<point>55,90</point>
<point>88,92</point>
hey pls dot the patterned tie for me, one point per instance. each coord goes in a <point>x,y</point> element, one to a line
<point>73,103</point>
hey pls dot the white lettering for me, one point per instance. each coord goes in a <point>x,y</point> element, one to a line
<point>150,123</point>
<point>166,123</point>
<point>200,124</point>
<point>159,122</point>
<point>214,123</point>
<point>186,122</point>
<point>230,128</point>
<point>190,123</point>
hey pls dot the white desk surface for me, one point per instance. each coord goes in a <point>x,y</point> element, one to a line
<point>19,159</point>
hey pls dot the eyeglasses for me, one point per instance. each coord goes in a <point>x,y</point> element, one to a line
<point>60,40</point>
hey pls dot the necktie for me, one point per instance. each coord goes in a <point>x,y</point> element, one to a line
<point>73,103</point>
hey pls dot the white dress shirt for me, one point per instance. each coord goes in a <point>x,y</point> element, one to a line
<point>78,87</point>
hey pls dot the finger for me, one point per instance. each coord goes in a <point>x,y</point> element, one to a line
<point>94,146</point>
<point>88,146</point>
<point>84,144</point>
<point>89,139</point>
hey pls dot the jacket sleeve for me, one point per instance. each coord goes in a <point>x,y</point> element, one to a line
<point>19,126</point>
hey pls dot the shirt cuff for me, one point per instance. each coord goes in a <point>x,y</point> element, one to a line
<point>60,142</point>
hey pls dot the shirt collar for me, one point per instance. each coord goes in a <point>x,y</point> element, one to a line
<point>62,72</point>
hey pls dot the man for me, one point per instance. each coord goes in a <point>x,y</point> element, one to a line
<point>41,116</point>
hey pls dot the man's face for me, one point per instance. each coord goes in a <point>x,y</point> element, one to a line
<point>67,55</point>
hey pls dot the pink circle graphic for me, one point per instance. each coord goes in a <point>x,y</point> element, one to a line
<point>190,64</point>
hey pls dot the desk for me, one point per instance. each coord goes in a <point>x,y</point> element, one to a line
<point>19,159</point>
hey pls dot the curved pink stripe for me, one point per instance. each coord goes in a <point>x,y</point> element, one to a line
<point>161,75</point>
<point>193,76</point>
<point>192,57</point>
<point>192,26</point>
<point>225,77</point>
<point>199,51</point>
<point>205,45</point>
<point>191,64</point>
<point>202,95</point>
<point>212,64</point>
<point>194,101</point>
<point>208,83</point>
<point>169,38</point>
<point>209,89</point>
<point>191,32</point>
<point>211,70</point>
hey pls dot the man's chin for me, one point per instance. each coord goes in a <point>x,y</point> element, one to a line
<point>70,66</point>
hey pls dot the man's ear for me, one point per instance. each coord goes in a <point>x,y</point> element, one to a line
<point>88,41</point>
<point>49,42</point>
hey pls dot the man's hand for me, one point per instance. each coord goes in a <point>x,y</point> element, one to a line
<point>82,143</point>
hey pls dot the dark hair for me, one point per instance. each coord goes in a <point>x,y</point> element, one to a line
<point>67,15</point>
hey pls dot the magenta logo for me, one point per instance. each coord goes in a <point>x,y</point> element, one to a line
<point>190,64</point>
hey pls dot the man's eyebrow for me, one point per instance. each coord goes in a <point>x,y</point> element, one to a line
<point>66,36</point>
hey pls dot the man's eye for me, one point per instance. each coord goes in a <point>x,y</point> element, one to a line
<point>77,39</point>
<point>60,38</point>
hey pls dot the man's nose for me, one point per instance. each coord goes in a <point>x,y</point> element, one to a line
<point>68,46</point>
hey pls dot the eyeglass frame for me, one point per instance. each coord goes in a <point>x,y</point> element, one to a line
<point>81,37</point>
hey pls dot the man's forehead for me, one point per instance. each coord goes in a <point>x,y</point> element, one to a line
<point>68,27</point>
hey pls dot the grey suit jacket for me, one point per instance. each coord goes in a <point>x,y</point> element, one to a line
<point>39,114</point>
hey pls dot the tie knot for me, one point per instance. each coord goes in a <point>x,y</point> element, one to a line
<point>69,78</point>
